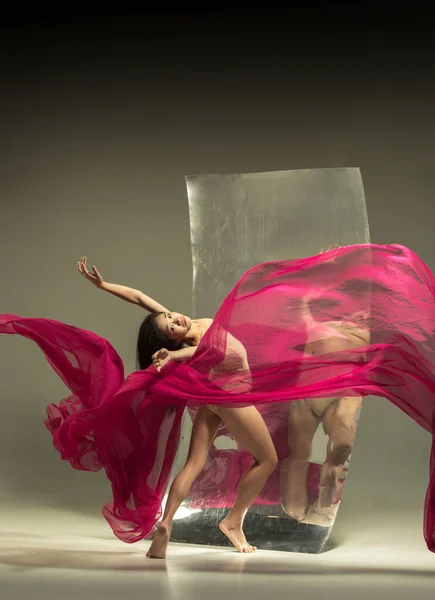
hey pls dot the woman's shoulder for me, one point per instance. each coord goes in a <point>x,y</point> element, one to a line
<point>203,326</point>
<point>204,322</point>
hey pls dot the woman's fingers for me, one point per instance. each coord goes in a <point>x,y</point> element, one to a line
<point>85,268</point>
<point>97,273</point>
<point>82,267</point>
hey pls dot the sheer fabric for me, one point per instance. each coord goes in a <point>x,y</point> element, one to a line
<point>358,320</point>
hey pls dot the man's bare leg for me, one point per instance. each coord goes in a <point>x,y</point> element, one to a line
<point>343,413</point>
<point>249,430</point>
<point>205,426</point>
<point>303,423</point>
<point>340,424</point>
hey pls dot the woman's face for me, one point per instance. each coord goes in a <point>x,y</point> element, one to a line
<point>174,326</point>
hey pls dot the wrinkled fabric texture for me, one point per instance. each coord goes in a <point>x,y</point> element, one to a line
<point>355,321</point>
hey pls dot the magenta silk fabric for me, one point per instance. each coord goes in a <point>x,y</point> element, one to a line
<point>355,321</point>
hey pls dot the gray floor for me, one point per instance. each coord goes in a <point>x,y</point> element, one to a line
<point>51,553</point>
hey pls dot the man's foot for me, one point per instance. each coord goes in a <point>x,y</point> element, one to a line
<point>160,542</point>
<point>330,485</point>
<point>236,536</point>
<point>296,505</point>
<point>323,517</point>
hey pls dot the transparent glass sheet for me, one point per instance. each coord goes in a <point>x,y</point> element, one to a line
<point>237,221</point>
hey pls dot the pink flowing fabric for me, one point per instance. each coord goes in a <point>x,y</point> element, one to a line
<point>355,321</point>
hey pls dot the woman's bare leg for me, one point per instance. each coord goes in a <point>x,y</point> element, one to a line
<point>249,430</point>
<point>205,426</point>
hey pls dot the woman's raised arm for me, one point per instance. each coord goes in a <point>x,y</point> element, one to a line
<point>121,291</point>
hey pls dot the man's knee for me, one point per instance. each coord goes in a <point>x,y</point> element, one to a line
<point>339,453</point>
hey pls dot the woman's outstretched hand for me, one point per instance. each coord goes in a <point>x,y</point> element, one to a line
<point>94,277</point>
<point>161,358</point>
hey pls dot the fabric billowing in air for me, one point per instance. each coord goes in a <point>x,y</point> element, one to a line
<point>358,320</point>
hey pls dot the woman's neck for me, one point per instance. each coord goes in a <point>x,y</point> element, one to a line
<point>196,332</point>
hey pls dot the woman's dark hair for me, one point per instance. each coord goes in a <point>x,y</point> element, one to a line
<point>150,339</point>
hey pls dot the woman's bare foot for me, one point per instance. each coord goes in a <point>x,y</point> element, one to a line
<point>236,536</point>
<point>160,541</point>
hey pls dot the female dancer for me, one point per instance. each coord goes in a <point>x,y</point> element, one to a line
<point>163,329</point>
<point>132,427</point>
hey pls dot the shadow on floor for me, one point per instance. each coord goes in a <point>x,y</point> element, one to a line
<point>180,559</point>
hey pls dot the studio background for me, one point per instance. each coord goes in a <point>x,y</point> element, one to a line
<point>98,131</point>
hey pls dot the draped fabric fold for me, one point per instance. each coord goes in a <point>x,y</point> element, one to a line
<point>355,321</point>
